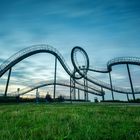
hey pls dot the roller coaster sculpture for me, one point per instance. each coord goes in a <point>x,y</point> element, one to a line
<point>78,72</point>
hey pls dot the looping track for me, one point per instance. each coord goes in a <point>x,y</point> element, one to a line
<point>27,52</point>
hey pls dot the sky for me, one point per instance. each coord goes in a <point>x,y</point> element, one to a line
<point>104,28</point>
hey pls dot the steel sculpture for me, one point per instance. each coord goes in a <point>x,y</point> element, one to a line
<point>78,72</point>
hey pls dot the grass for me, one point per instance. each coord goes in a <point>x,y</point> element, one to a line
<point>69,122</point>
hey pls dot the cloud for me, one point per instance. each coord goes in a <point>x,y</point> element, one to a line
<point>1,60</point>
<point>104,29</point>
<point>118,76</point>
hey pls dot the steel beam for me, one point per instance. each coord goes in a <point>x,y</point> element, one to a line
<point>7,84</point>
<point>70,91</point>
<point>131,83</point>
<point>103,95</point>
<point>87,88</point>
<point>78,94</point>
<point>74,86</point>
<point>111,86</point>
<point>54,92</point>
<point>127,97</point>
<point>74,91</point>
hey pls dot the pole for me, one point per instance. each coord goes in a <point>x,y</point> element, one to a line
<point>7,84</point>
<point>55,78</point>
<point>74,91</point>
<point>127,97</point>
<point>78,94</point>
<point>111,86</point>
<point>84,82</point>
<point>87,88</point>
<point>103,97</point>
<point>84,89</point>
<point>74,86</point>
<point>70,90</point>
<point>131,83</point>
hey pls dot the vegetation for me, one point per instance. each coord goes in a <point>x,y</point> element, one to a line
<point>119,101</point>
<point>48,98</point>
<point>69,121</point>
<point>60,98</point>
<point>136,101</point>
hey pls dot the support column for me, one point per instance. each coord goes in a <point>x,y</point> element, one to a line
<point>87,88</point>
<point>70,90</point>
<point>103,93</point>
<point>85,84</point>
<point>54,92</point>
<point>74,91</point>
<point>84,89</point>
<point>78,94</point>
<point>111,86</point>
<point>127,97</point>
<point>74,86</point>
<point>131,84</point>
<point>7,84</point>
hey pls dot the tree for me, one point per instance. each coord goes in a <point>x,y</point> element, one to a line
<point>60,98</point>
<point>48,98</point>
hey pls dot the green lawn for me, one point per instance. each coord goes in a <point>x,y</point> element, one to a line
<point>69,121</point>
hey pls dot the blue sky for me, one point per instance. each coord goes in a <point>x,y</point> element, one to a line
<point>104,28</point>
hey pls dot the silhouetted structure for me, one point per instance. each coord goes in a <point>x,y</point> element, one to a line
<point>76,74</point>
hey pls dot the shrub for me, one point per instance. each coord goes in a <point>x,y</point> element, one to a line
<point>48,98</point>
<point>60,98</point>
